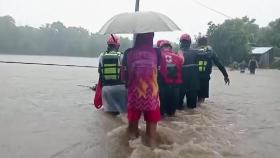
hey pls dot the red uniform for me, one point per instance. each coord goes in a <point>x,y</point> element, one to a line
<point>170,80</point>
<point>171,61</point>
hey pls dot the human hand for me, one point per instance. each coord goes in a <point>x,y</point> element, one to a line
<point>227,81</point>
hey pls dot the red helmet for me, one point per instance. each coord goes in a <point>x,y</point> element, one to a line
<point>158,42</point>
<point>113,39</point>
<point>164,42</point>
<point>186,37</point>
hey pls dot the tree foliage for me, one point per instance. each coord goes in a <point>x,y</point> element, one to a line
<point>233,39</point>
<point>271,34</point>
<point>51,39</point>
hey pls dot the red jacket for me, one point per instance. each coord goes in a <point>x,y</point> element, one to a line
<point>171,59</point>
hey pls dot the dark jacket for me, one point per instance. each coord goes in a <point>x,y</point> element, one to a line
<point>206,55</point>
<point>190,69</point>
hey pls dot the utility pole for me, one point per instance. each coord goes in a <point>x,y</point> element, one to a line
<point>136,10</point>
<point>137,6</point>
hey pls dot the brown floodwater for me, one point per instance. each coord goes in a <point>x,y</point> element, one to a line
<point>44,113</point>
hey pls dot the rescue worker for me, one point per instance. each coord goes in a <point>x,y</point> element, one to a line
<point>170,78</point>
<point>253,64</point>
<point>190,85</point>
<point>206,58</point>
<point>113,88</point>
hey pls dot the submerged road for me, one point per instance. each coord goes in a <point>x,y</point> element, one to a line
<point>43,113</point>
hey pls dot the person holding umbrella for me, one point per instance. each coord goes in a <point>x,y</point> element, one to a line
<point>141,65</point>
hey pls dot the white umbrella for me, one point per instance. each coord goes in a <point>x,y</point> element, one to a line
<point>138,22</point>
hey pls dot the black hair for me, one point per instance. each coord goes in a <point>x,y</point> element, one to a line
<point>112,47</point>
<point>185,44</point>
<point>202,41</point>
<point>166,45</point>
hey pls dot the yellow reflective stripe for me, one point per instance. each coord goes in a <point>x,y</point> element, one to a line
<point>200,68</point>
<point>110,71</point>
<point>204,65</point>
<point>200,65</point>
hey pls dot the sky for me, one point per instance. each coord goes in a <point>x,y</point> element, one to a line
<point>191,17</point>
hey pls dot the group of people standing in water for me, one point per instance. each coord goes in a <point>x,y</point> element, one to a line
<point>252,65</point>
<point>154,80</point>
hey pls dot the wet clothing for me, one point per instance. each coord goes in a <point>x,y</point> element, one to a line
<point>169,98</point>
<point>141,76</point>
<point>204,87</point>
<point>252,66</point>
<point>134,115</point>
<point>190,75</point>
<point>142,80</point>
<point>252,71</point>
<point>170,78</point>
<point>191,98</point>
<point>115,98</point>
<point>114,94</point>
<point>206,58</point>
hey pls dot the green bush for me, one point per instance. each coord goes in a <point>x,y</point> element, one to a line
<point>276,65</point>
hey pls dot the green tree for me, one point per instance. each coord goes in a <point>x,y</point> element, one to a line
<point>52,39</point>
<point>231,40</point>
<point>8,34</point>
<point>272,33</point>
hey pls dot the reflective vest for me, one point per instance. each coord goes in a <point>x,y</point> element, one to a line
<point>110,68</point>
<point>204,60</point>
<point>202,65</point>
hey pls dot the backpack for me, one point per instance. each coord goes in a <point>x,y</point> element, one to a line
<point>171,68</point>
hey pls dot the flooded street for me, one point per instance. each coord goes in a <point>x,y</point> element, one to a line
<point>44,113</point>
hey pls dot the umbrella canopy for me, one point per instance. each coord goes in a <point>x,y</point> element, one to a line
<point>138,22</point>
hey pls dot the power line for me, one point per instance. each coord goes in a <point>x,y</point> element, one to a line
<point>214,10</point>
<point>31,63</point>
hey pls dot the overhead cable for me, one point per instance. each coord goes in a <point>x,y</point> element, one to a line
<point>214,10</point>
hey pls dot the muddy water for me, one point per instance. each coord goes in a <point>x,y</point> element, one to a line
<point>43,113</point>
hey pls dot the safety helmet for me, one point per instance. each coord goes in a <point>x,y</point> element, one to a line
<point>114,40</point>
<point>186,37</point>
<point>164,42</point>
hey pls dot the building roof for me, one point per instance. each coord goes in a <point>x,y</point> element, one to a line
<point>260,50</point>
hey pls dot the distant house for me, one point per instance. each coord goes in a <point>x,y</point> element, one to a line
<point>264,55</point>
